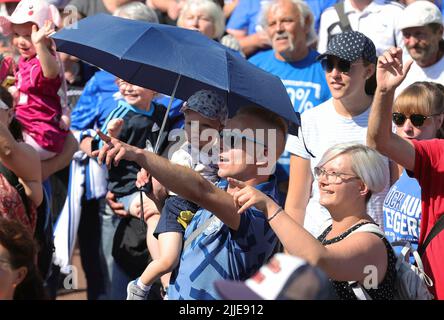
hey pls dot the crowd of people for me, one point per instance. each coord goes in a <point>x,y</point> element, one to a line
<point>92,156</point>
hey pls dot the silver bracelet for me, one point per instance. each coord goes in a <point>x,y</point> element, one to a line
<point>275,214</point>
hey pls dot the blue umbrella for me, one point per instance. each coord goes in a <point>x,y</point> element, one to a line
<point>174,61</point>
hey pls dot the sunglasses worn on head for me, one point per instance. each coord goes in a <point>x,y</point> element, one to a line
<point>341,65</point>
<point>416,119</point>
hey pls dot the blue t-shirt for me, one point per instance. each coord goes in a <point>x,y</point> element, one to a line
<point>402,211</point>
<point>305,79</point>
<point>245,16</point>
<point>221,253</point>
<point>96,102</point>
<point>306,86</point>
<point>317,7</point>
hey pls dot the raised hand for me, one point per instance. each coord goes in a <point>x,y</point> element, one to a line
<point>41,36</point>
<point>390,69</point>
<point>114,127</point>
<point>248,196</point>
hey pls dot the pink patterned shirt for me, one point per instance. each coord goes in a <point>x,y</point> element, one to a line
<point>39,108</point>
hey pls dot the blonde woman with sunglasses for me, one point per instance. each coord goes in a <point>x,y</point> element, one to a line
<point>417,114</point>
<point>414,149</point>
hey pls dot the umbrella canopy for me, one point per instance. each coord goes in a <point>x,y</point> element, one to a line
<point>156,56</point>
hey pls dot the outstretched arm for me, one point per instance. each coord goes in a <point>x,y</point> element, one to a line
<point>295,239</point>
<point>342,261</point>
<point>181,180</point>
<point>390,73</point>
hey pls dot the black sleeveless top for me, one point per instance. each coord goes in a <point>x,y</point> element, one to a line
<point>386,288</point>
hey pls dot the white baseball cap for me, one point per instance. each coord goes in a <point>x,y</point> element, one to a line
<point>285,277</point>
<point>419,14</point>
<point>36,11</point>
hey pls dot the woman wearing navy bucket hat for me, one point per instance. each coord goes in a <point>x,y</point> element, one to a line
<point>349,65</point>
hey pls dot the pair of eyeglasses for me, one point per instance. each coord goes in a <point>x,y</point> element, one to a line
<point>416,119</point>
<point>4,263</point>
<point>333,177</point>
<point>234,139</point>
<point>343,66</point>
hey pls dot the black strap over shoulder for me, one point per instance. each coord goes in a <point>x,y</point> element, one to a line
<point>344,23</point>
<point>437,228</point>
<point>13,181</point>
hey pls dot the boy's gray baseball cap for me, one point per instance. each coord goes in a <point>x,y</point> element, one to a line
<point>209,104</point>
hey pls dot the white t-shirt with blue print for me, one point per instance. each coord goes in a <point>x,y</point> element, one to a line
<point>221,253</point>
<point>402,211</point>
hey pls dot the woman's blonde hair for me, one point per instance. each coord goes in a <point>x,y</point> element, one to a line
<point>366,162</point>
<point>212,9</point>
<point>422,97</point>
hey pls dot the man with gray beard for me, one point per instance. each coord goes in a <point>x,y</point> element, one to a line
<point>422,30</point>
<point>289,25</point>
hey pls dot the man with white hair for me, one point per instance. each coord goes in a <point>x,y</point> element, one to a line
<point>289,25</point>
<point>422,29</point>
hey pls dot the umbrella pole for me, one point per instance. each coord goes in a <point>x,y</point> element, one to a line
<point>159,138</point>
<point>148,188</point>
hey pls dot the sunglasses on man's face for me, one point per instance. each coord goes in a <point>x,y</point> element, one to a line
<point>233,139</point>
<point>416,119</point>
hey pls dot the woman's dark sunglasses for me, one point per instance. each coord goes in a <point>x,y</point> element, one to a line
<point>416,119</point>
<point>343,66</point>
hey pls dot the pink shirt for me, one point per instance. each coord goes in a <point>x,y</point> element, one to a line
<point>39,109</point>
